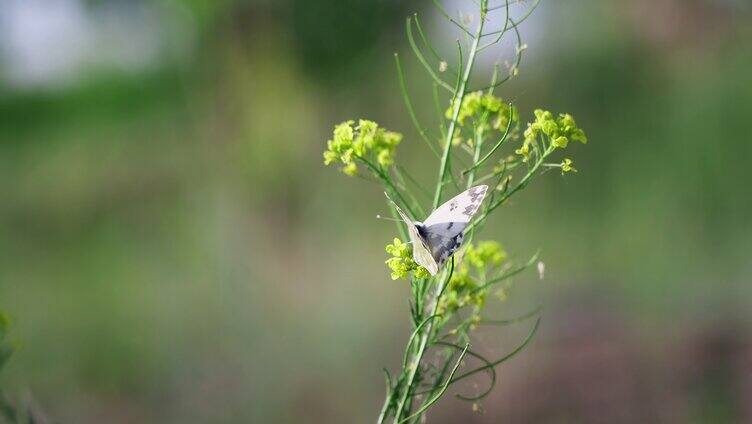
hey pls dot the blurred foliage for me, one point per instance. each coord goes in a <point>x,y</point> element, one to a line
<point>353,29</point>
<point>6,349</point>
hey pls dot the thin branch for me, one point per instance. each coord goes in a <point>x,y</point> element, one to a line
<point>413,336</point>
<point>428,44</point>
<point>403,185</point>
<point>424,191</point>
<point>494,77</point>
<point>459,66</point>
<point>409,105</point>
<point>509,274</point>
<point>439,114</point>
<point>507,3</point>
<point>451,19</point>
<point>456,104</point>
<point>503,30</point>
<point>422,59</point>
<point>498,144</point>
<point>521,185</point>
<point>389,392</point>
<point>504,358</point>
<point>443,388</point>
<point>521,20</point>
<point>491,372</point>
<point>519,49</point>
<point>515,320</point>
<point>478,132</point>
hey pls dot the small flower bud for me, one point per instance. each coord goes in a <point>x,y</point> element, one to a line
<point>566,166</point>
<point>560,142</point>
<point>541,269</point>
<point>350,169</point>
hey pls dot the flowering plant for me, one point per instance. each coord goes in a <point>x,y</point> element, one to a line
<point>475,129</point>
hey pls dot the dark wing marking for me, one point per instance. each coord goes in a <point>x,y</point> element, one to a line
<point>444,239</point>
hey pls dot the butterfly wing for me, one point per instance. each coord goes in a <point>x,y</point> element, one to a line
<point>421,254</point>
<point>444,228</point>
<point>460,208</point>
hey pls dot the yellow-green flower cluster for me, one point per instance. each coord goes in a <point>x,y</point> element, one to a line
<point>463,290</point>
<point>558,130</point>
<point>485,254</point>
<point>476,104</point>
<point>466,290</point>
<point>566,166</point>
<point>366,141</point>
<point>401,263</point>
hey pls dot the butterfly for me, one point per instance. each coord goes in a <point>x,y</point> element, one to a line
<point>437,238</point>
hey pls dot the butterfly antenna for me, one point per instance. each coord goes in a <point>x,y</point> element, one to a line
<point>387,219</point>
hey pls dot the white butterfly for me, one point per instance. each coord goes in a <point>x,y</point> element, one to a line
<point>437,238</point>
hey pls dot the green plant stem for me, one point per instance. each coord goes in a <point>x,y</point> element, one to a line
<point>440,376</point>
<point>515,320</point>
<point>476,154</point>
<point>418,356</point>
<point>459,95</point>
<point>506,357</point>
<point>422,59</point>
<point>478,163</point>
<point>507,275</point>
<point>450,18</point>
<point>429,45</point>
<point>412,337</point>
<point>518,55</point>
<point>409,106</point>
<point>436,397</point>
<point>491,372</point>
<point>519,21</point>
<point>385,408</point>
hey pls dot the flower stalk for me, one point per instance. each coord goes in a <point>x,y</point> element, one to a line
<point>459,94</point>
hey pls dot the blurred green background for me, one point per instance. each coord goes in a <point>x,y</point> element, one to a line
<point>172,248</point>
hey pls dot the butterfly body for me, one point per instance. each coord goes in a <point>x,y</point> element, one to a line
<point>437,238</point>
